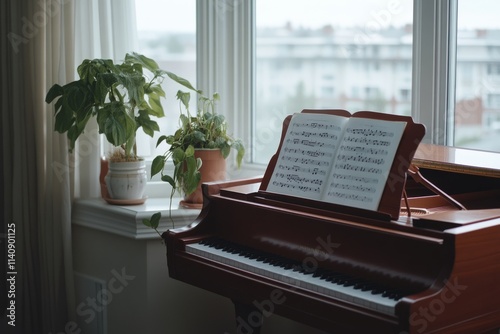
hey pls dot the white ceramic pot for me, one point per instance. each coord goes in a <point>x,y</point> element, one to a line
<point>126,180</point>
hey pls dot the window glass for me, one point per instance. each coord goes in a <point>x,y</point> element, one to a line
<point>477,105</point>
<point>336,54</point>
<point>167,33</point>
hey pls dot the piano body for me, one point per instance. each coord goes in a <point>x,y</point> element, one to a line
<point>346,270</point>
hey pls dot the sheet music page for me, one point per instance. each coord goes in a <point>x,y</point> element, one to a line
<point>306,155</point>
<point>362,162</point>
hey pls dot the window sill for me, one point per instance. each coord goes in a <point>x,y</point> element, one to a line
<point>126,220</point>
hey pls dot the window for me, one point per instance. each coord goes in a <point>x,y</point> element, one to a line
<point>168,35</point>
<point>477,97</point>
<point>317,37</point>
<point>435,60</point>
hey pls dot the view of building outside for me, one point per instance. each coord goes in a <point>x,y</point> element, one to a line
<point>167,33</point>
<point>354,55</point>
<point>477,107</point>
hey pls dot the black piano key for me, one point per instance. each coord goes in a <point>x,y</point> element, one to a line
<point>324,274</point>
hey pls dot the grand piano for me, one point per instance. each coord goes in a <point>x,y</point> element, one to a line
<point>435,268</point>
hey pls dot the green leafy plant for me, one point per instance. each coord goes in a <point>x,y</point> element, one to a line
<point>204,129</point>
<point>122,97</point>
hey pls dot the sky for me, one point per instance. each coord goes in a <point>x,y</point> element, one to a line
<point>179,15</point>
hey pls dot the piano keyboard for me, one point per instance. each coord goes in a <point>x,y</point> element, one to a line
<point>325,282</point>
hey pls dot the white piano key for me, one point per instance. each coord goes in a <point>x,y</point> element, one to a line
<point>306,281</point>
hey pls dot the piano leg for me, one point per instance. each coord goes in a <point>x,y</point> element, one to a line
<point>249,319</point>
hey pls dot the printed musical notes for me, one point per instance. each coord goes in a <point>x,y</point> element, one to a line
<point>306,155</point>
<point>337,159</point>
<point>363,161</point>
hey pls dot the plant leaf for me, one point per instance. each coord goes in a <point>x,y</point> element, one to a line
<point>64,120</point>
<point>154,221</point>
<point>182,81</point>
<point>169,179</point>
<point>155,105</point>
<point>240,149</point>
<point>225,150</point>
<point>148,125</point>
<point>54,91</point>
<point>161,139</point>
<point>184,97</point>
<point>136,58</point>
<point>119,127</point>
<point>192,176</point>
<point>189,151</point>
<point>178,155</point>
<point>102,116</point>
<point>157,165</point>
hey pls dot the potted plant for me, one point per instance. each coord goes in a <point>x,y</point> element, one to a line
<point>122,98</point>
<point>201,141</point>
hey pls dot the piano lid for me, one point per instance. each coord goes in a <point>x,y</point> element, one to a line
<point>458,160</point>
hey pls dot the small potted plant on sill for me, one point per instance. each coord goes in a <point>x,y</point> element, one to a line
<point>122,98</point>
<point>198,148</point>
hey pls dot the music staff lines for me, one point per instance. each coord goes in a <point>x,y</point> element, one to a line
<point>298,168</point>
<point>360,158</point>
<point>370,132</point>
<point>306,161</point>
<point>335,158</point>
<point>299,179</point>
<point>351,197</point>
<point>363,150</point>
<point>310,143</point>
<point>310,153</point>
<point>357,168</point>
<point>367,141</point>
<point>316,125</point>
<point>312,134</point>
<point>302,188</point>
<point>353,188</point>
<point>355,178</point>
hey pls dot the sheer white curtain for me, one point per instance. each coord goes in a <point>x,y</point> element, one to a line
<point>42,43</point>
<point>104,29</point>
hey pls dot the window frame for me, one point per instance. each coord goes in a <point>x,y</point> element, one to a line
<point>434,63</point>
<point>226,55</point>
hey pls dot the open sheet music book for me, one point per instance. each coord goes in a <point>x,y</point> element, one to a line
<point>341,158</point>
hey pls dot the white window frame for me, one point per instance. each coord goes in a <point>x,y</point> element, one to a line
<point>225,58</point>
<point>226,53</point>
<point>434,62</point>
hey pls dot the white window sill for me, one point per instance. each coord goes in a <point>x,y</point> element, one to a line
<point>126,220</point>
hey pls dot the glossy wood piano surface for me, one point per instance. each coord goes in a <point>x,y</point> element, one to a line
<point>444,280</point>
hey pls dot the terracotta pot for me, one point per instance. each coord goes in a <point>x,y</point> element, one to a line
<point>102,176</point>
<point>213,168</point>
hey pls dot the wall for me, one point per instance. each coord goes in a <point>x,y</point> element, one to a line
<point>140,297</point>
